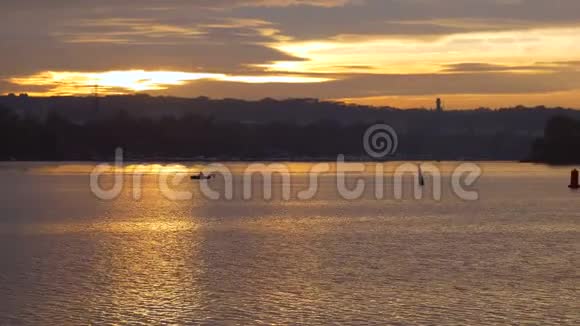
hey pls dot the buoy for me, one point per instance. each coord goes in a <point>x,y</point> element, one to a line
<point>574,181</point>
<point>421,178</point>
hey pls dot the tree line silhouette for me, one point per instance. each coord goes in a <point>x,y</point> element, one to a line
<point>159,128</point>
<point>560,144</point>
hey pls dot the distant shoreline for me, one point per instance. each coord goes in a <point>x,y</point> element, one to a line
<point>572,163</point>
<point>266,160</point>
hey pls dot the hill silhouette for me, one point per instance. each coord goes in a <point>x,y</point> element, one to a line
<point>168,128</point>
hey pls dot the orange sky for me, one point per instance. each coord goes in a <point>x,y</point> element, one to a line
<point>488,53</point>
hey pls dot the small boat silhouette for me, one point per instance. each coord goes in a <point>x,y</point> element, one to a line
<point>202,176</point>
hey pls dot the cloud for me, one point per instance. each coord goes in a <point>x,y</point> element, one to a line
<point>166,5</point>
<point>487,67</point>
<point>127,31</point>
<point>365,85</point>
<point>538,67</point>
<point>400,55</point>
<point>285,3</point>
<point>419,18</point>
<point>369,48</point>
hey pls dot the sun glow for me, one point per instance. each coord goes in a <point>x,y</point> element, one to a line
<point>121,82</point>
<point>399,55</point>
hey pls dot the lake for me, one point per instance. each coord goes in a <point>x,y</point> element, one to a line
<point>68,257</point>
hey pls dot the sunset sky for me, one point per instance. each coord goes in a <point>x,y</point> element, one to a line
<point>384,52</point>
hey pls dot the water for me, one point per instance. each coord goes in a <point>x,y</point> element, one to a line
<point>70,258</point>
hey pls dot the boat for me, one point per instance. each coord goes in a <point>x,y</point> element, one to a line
<point>202,176</point>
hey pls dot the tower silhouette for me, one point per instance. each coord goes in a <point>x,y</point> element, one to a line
<point>439,104</point>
